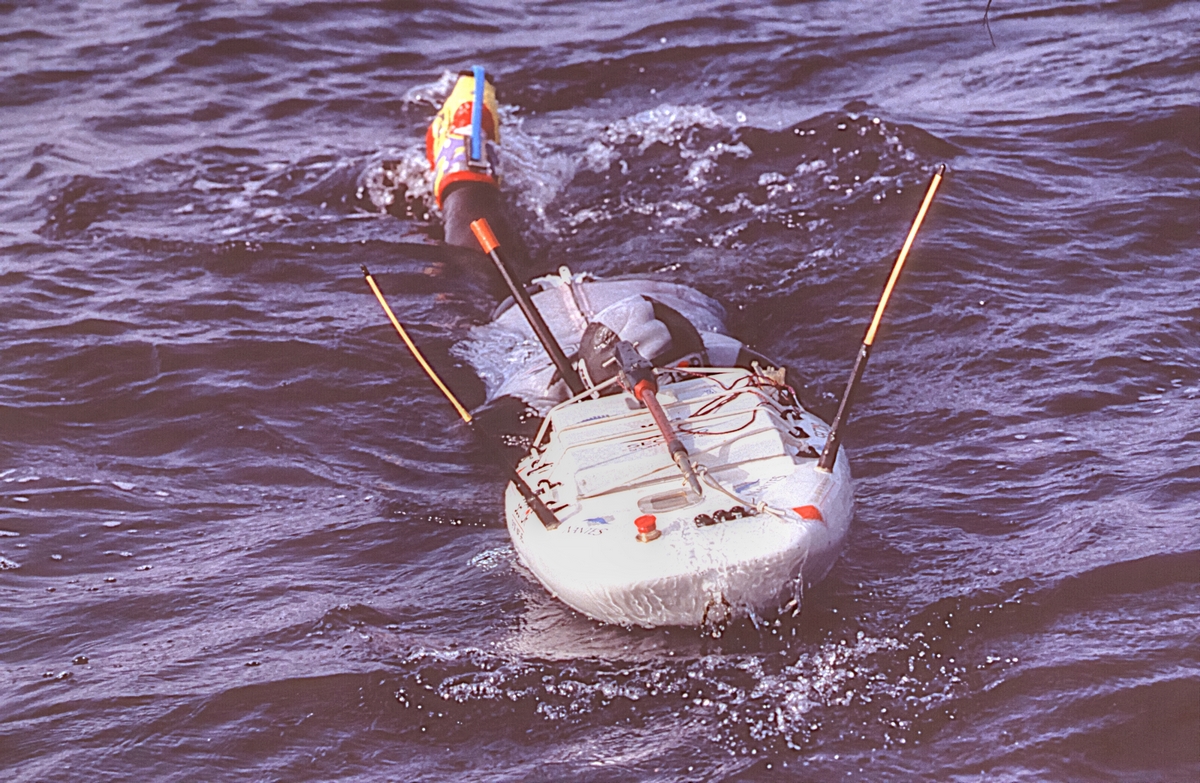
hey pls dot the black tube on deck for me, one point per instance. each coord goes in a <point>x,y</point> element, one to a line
<point>487,240</point>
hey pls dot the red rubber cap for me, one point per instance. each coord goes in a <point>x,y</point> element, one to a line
<point>483,233</point>
<point>645,523</point>
<point>641,386</point>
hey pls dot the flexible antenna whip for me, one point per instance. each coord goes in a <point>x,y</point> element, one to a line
<point>833,441</point>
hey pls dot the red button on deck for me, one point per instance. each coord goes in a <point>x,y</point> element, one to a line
<point>646,527</point>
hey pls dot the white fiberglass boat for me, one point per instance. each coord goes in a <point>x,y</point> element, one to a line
<point>637,546</point>
<point>754,506</point>
<point>702,491</point>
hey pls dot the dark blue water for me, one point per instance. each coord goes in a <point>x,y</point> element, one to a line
<point>242,538</point>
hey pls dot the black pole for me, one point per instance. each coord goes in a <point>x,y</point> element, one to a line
<point>539,507</point>
<point>483,232</point>
<point>834,441</point>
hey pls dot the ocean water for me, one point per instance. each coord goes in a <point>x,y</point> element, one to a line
<point>241,537</point>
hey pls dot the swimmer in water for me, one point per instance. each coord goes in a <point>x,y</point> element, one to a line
<point>670,324</point>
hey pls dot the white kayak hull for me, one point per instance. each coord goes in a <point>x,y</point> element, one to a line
<point>767,525</point>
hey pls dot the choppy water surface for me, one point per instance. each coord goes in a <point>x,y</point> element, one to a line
<point>241,538</point>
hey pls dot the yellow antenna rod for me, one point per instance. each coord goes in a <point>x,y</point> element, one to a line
<point>834,439</point>
<point>412,348</point>
<point>900,259</point>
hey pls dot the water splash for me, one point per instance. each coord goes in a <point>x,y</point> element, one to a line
<point>399,184</point>
<point>865,687</point>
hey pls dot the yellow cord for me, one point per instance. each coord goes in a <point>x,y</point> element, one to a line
<point>466,416</point>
